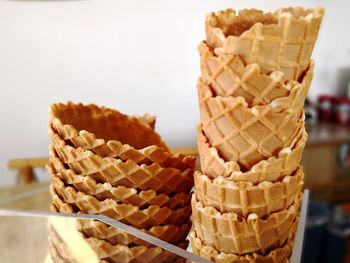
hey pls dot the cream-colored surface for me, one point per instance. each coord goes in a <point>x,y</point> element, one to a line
<point>48,259</point>
<point>66,228</point>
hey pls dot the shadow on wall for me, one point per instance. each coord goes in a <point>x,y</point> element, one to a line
<point>343,78</point>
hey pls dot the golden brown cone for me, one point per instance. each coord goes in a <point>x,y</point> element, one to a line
<point>230,233</point>
<point>272,169</point>
<point>281,41</point>
<point>106,123</point>
<point>169,233</point>
<point>121,194</point>
<point>117,172</point>
<point>58,206</point>
<point>277,255</point>
<point>244,198</point>
<point>132,215</point>
<point>108,251</point>
<point>111,126</point>
<point>247,135</point>
<point>227,75</point>
<point>141,254</point>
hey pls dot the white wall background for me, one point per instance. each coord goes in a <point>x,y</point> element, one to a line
<point>136,56</point>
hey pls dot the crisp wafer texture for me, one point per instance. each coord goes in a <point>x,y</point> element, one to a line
<point>281,41</point>
<point>105,123</point>
<point>227,75</point>
<point>60,252</point>
<point>272,169</point>
<point>121,194</point>
<point>246,135</point>
<point>58,205</point>
<point>108,133</point>
<point>133,215</point>
<point>277,255</point>
<point>293,101</point>
<point>169,233</point>
<point>230,233</point>
<point>110,252</point>
<point>256,70</point>
<point>244,198</point>
<point>120,173</point>
<point>120,253</point>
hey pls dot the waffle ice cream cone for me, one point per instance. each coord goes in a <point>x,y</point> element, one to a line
<point>106,251</point>
<point>105,123</point>
<point>277,255</point>
<point>120,253</point>
<point>272,169</point>
<point>142,218</point>
<point>293,100</point>
<point>244,198</point>
<point>280,41</point>
<point>246,135</point>
<point>120,194</point>
<point>58,206</point>
<point>80,125</point>
<point>227,75</point>
<point>169,233</point>
<point>117,172</point>
<point>256,70</point>
<point>230,233</point>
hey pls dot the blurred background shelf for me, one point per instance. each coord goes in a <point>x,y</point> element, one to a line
<point>325,134</point>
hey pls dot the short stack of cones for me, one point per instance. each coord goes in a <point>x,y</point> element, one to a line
<point>105,162</point>
<point>255,74</point>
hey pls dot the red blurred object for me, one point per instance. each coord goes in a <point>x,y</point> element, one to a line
<point>325,107</point>
<point>342,110</point>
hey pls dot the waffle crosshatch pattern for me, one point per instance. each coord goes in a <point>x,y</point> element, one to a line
<point>105,162</point>
<point>120,194</point>
<point>272,169</point>
<point>244,198</point>
<point>256,70</point>
<point>285,43</point>
<point>243,134</point>
<point>117,172</point>
<point>230,233</point>
<point>170,233</point>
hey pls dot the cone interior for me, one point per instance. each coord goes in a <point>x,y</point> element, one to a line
<point>107,124</point>
<point>233,23</point>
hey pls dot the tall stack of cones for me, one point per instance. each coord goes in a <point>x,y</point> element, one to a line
<point>105,162</point>
<point>255,74</point>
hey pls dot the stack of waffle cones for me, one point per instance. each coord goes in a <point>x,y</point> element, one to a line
<point>255,74</point>
<point>105,162</point>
